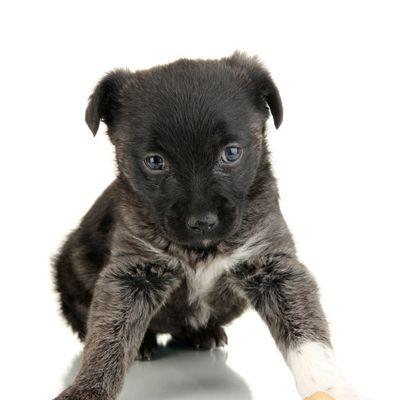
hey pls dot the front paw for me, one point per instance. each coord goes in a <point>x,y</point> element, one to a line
<point>76,393</point>
<point>205,339</point>
<point>148,346</point>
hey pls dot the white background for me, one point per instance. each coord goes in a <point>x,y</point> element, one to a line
<point>341,158</point>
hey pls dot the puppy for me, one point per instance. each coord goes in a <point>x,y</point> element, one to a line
<point>190,233</point>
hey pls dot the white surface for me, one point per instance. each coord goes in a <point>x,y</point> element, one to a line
<point>341,157</point>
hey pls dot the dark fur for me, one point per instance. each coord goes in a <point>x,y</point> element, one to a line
<point>123,272</point>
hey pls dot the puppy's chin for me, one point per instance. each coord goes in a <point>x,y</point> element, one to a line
<point>200,244</point>
<point>207,243</point>
<point>203,244</point>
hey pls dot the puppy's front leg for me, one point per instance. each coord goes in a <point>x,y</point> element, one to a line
<point>286,296</point>
<point>126,296</point>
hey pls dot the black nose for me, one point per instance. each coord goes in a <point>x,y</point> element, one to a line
<point>202,223</point>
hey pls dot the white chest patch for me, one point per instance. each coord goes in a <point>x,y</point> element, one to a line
<point>200,282</point>
<point>201,279</point>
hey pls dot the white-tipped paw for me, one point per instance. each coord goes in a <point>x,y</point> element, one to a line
<point>317,375</point>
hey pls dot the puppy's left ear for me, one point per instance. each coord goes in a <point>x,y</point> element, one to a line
<point>104,103</point>
<point>263,82</point>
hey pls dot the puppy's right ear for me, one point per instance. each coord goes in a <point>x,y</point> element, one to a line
<point>104,103</point>
<point>263,82</point>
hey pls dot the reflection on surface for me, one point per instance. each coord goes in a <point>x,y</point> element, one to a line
<point>179,373</point>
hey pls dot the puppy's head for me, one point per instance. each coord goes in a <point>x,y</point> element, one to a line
<point>189,139</point>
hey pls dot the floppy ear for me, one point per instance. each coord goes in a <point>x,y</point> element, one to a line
<point>261,78</point>
<point>103,104</point>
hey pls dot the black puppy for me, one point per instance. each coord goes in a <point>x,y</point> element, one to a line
<point>190,233</point>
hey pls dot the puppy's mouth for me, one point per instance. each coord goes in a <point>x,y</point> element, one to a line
<point>189,241</point>
<point>193,243</point>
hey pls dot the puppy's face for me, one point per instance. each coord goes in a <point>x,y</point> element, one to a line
<point>189,141</point>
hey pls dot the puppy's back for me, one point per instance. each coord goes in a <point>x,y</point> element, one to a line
<point>82,258</point>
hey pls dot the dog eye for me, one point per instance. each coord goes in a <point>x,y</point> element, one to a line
<point>155,162</point>
<point>231,154</point>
